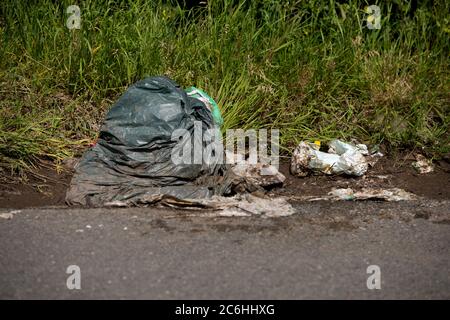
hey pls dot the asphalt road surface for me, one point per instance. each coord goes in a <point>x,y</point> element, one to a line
<point>323,251</point>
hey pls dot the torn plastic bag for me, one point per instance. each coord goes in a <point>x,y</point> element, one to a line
<point>346,159</point>
<point>132,156</point>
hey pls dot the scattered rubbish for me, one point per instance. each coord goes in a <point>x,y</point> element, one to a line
<point>132,157</point>
<point>6,216</point>
<point>161,199</point>
<point>132,162</point>
<point>373,158</point>
<point>341,158</point>
<point>267,207</point>
<point>392,194</point>
<point>422,164</point>
<point>259,175</point>
<point>381,176</point>
<point>238,205</point>
<point>9,215</point>
<point>248,204</point>
<point>344,159</point>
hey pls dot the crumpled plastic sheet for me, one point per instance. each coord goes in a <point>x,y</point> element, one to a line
<point>343,159</point>
<point>241,205</point>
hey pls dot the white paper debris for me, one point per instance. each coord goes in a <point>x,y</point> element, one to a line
<point>422,164</point>
<point>391,194</point>
<point>346,159</point>
<point>8,215</point>
<point>251,205</point>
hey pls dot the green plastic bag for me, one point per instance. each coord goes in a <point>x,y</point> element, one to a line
<point>133,156</point>
<point>208,101</point>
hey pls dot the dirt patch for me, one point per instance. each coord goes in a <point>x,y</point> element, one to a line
<point>47,187</point>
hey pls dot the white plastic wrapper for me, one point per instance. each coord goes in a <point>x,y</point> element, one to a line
<point>339,147</point>
<point>345,159</point>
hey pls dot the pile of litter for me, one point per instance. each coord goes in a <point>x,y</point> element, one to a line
<point>132,162</point>
<point>342,158</point>
<point>132,156</point>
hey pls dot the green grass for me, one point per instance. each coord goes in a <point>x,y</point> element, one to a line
<point>309,68</point>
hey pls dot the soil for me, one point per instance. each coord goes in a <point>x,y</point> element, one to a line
<point>47,187</point>
<point>44,187</point>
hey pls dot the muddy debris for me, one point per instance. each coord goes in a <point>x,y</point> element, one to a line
<point>377,194</point>
<point>248,205</point>
<point>422,164</point>
<point>241,205</point>
<point>259,174</point>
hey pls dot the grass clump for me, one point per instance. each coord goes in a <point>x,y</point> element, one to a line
<point>309,68</point>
